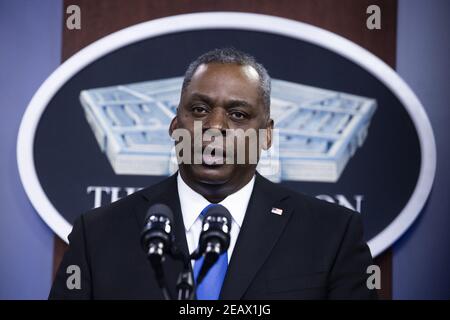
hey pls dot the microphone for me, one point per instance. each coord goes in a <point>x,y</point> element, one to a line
<point>214,238</point>
<point>157,239</point>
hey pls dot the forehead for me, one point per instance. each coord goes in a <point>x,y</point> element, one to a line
<point>226,80</point>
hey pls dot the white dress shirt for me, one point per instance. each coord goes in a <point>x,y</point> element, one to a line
<point>192,204</point>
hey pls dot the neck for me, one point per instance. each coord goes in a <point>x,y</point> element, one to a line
<point>215,193</point>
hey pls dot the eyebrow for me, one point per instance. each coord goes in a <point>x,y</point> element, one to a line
<point>229,104</point>
<point>200,96</point>
<point>237,102</point>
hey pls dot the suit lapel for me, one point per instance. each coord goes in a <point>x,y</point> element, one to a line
<point>259,232</point>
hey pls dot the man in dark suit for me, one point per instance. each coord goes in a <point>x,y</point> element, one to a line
<point>284,245</point>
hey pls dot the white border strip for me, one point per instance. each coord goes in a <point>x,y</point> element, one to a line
<point>241,21</point>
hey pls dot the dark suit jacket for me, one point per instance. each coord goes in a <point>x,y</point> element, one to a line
<point>314,250</point>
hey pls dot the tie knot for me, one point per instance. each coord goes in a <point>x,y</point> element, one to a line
<point>205,210</point>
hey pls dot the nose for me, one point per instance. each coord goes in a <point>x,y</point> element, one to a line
<point>216,119</point>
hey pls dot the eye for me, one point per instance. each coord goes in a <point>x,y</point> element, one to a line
<point>199,109</point>
<point>238,115</point>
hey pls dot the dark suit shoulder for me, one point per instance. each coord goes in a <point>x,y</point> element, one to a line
<point>306,204</point>
<point>324,209</point>
<point>313,219</point>
<point>122,208</point>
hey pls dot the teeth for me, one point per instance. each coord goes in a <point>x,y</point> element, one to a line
<point>212,159</point>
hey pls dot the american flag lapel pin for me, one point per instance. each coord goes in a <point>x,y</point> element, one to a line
<point>277,211</point>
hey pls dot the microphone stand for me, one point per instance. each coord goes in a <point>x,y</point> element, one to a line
<point>185,283</point>
<point>186,287</point>
<point>156,263</point>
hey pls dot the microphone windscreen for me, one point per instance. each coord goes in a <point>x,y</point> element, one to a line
<point>218,210</point>
<point>159,209</point>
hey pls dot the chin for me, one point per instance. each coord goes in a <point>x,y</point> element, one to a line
<point>211,174</point>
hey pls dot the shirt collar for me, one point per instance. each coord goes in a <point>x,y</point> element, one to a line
<point>192,203</point>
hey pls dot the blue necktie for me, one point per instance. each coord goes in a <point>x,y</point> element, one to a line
<point>211,285</point>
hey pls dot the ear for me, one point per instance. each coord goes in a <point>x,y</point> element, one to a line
<point>267,143</point>
<point>173,125</point>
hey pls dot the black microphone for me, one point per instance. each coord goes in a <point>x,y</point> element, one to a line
<point>214,238</point>
<point>157,239</point>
